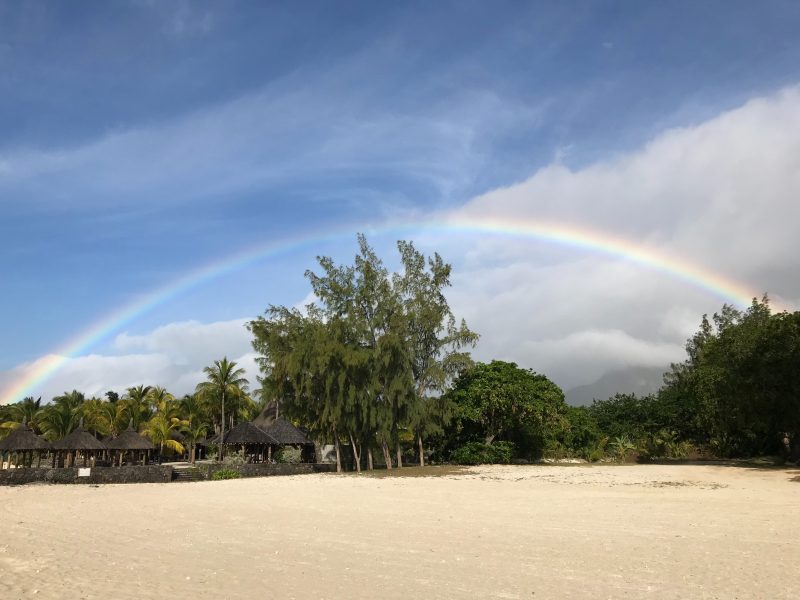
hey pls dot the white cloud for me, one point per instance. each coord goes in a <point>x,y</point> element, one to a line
<point>723,195</point>
<point>172,356</point>
<point>190,342</point>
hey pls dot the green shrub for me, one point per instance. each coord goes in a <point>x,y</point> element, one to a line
<point>225,474</point>
<point>596,451</point>
<point>622,447</point>
<point>478,453</point>
<point>666,444</point>
<point>234,459</point>
<point>289,455</point>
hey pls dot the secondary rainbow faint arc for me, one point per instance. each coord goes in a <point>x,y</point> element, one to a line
<point>568,235</point>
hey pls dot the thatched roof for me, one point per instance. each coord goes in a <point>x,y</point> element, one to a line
<point>286,433</point>
<point>80,439</point>
<point>22,438</point>
<point>129,440</point>
<point>247,433</point>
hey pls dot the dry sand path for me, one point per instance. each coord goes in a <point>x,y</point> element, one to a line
<point>492,532</point>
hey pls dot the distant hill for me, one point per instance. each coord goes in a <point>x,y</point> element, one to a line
<point>635,380</point>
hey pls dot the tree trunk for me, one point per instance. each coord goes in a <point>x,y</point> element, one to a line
<point>338,452</point>
<point>222,426</point>
<point>369,459</point>
<point>387,457</point>
<point>356,456</point>
<point>421,451</point>
<point>490,438</point>
<point>194,448</point>
<point>399,456</point>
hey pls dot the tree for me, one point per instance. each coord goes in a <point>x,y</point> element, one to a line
<point>224,380</point>
<point>739,387</point>
<point>162,402</point>
<point>194,413</point>
<point>369,360</point>
<point>303,367</point>
<point>160,429</point>
<point>137,405</point>
<point>499,400</point>
<point>434,340</point>
<point>61,417</point>
<point>26,410</point>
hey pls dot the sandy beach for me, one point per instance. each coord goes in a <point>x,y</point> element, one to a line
<point>488,532</point>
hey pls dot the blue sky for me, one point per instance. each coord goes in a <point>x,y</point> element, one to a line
<point>143,139</point>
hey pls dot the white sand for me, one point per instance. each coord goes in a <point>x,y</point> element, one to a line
<point>495,532</point>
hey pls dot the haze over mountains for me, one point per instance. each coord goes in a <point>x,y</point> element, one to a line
<point>634,380</point>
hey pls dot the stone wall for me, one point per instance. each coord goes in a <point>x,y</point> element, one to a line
<point>268,469</point>
<point>147,474</point>
<point>126,474</point>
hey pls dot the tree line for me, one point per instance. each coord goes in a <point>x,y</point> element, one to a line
<point>379,367</point>
<point>173,425</point>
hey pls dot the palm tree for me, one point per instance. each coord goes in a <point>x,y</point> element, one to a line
<point>159,429</point>
<point>194,411</point>
<point>26,410</point>
<point>96,417</point>
<point>163,402</point>
<point>224,379</point>
<point>59,418</point>
<point>137,404</point>
<point>193,431</point>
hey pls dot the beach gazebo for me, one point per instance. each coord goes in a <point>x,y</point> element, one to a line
<point>286,434</point>
<point>81,441</point>
<point>23,440</point>
<point>249,436</point>
<point>130,441</point>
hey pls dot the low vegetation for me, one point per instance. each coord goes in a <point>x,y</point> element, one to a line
<point>225,474</point>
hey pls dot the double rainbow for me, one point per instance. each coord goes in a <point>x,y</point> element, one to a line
<point>35,374</point>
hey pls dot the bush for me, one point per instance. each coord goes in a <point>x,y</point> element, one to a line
<point>289,455</point>
<point>622,448</point>
<point>234,459</point>
<point>478,453</point>
<point>666,444</point>
<point>225,474</point>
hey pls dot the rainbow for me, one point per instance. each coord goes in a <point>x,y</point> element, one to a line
<point>34,374</point>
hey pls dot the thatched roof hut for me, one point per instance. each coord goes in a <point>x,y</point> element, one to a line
<point>80,439</point>
<point>287,434</point>
<point>247,433</point>
<point>129,440</point>
<point>23,439</point>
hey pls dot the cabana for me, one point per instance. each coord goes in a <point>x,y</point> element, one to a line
<point>286,434</point>
<point>250,437</point>
<point>81,441</point>
<point>22,440</point>
<point>130,441</point>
